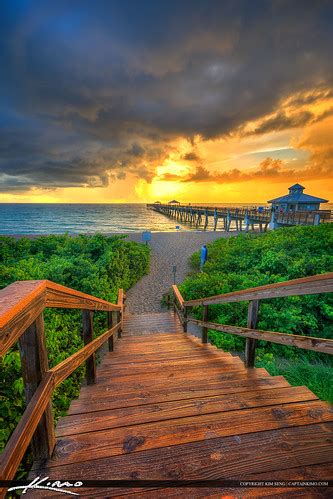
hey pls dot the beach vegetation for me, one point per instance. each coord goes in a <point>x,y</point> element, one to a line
<point>97,265</point>
<point>253,259</point>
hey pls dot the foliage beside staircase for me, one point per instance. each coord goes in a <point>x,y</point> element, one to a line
<point>97,265</point>
<point>250,260</point>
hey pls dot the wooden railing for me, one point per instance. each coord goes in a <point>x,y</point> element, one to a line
<point>21,319</point>
<point>317,284</point>
<point>264,214</point>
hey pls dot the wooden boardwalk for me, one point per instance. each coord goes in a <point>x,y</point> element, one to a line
<point>167,407</point>
<point>241,218</point>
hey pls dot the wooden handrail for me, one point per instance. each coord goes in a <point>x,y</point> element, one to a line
<point>67,366</point>
<point>321,283</point>
<point>21,307</point>
<point>305,342</point>
<point>20,439</point>
<point>178,295</point>
<point>23,301</point>
<point>121,298</point>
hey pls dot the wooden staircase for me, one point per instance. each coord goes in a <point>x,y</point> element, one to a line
<point>166,414</point>
<point>167,407</point>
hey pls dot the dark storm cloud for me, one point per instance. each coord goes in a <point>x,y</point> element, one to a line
<point>191,156</point>
<point>91,91</point>
<point>281,121</point>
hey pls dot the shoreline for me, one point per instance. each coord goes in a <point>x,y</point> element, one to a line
<point>129,233</point>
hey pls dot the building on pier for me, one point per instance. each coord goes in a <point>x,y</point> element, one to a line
<point>174,202</point>
<point>296,200</point>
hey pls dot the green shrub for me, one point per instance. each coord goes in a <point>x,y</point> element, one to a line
<point>253,259</point>
<point>97,265</point>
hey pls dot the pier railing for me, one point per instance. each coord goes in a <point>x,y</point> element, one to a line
<point>21,319</point>
<point>322,283</point>
<point>198,214</point>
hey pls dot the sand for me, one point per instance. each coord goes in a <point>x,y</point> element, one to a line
<point>168,249</point>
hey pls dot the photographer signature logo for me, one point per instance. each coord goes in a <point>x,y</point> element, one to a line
<point>44,484</point>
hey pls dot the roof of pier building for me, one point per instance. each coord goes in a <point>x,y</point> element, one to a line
<point>173,202</point>
<point>296,196</point>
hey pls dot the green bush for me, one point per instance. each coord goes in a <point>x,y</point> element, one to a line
<point>97,265</point>
<point>254,259</point>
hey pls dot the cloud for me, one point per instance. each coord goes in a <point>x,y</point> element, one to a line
<point>269,170</point>
<point>282,121</point>
<point>317,141</point>
<point>93,93</point>
<point>191,156</point>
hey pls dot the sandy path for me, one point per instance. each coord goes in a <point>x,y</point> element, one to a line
<point>168,249</point>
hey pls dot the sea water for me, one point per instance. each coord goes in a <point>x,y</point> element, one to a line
<point>29,219</point>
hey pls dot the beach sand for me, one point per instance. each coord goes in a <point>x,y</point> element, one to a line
<point>168,249</point>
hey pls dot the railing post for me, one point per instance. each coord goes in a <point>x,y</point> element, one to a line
<point>120,319</point>
<point>34,364</point>
<point>110,326</point>
<point>204,329</point>
<point>185,320</point>
<point>120,313</point>
<point>88,336</point>
<point>252,320</point>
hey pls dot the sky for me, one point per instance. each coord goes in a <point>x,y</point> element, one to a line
<point>137,101</point>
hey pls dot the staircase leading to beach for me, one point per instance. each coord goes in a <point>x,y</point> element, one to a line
<point>166,409</point>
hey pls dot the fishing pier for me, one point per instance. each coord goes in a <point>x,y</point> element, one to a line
<point>226,218</point>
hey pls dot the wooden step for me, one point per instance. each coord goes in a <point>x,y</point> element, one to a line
<point>80,447</point>
<point>112,418</point>
<point>102,387</point>
<point>107,400</point>
<point>167,407</point>
<point>298,473</point>
<point>135,368</point>
<point>137,325</point>
<point>249,455</point>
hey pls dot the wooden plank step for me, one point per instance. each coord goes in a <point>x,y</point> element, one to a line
<point>137,361</point>
<point>107,419</point>
<point>159,384</point>
<point>167,393</point>
<point>186,351</point>
<point>169,347</point>
<point>166,375</point>
<point>118,387</point>
<point>155,340</point>
<point>117,357</point>
<point>169,365</point>
<point>174,351</point>
<point>160,364</point>
<point>149,323</point>
<point>232,456</point>
<point>80,447</point>
<point>158,337</point>
<point>308,473</point>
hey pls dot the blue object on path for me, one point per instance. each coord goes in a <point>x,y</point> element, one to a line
<point>146,236</point>
<point>204,255</point>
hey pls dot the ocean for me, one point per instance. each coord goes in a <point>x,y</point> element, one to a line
<point>29,219</point>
